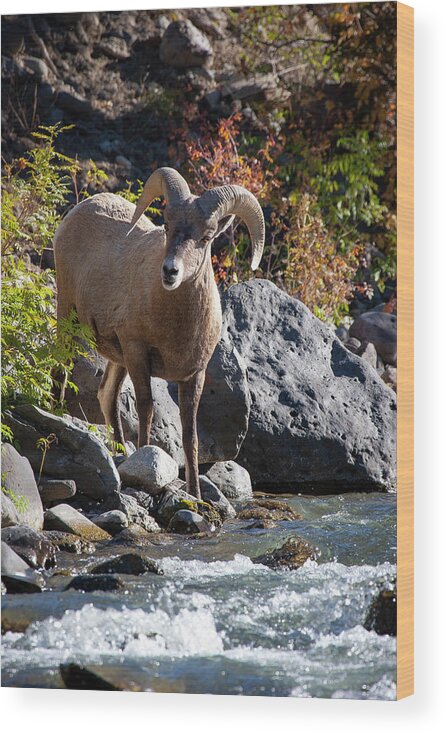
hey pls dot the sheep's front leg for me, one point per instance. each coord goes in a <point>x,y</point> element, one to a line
<point>138,367</point>
<point>189,398</point>
<point>108,395</point>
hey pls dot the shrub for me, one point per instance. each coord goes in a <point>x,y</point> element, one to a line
<point>35,194</point>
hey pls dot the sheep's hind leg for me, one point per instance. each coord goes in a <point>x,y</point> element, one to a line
<point>189,398</point>
<point>108,394</point>
<point>138,367</point>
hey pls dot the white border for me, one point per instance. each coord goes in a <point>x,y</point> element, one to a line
<point>50,711</point>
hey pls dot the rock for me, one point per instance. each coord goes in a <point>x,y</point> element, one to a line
<point>32,546</point>
<point>73,104</point>
<point>17,576</point>
<point>78,454</point>
<point>185,521</point>
<point>273,510</point>
<point>260,87</point>
<point>69,542</point>
<point>225,394</point>
<point>368,352</point>
<point>38,68</point>
<point>121,160</point>
<point>321,420</point>
<point>129,563</point>
<point>382,614</point>
<point>91,582</point>
<point>381,329</point>
<point>9,512</point>
<point>211,494</point>
<point>150,468</point>
<point>112,521</point>
<point>353,345</point>
<point>342,333</point>
<point>135,513</point>
<point>293,554</point>
<point>142,498</point>
<point>132,537</point>
<point>184,45</point>
<point>69,520</point>
<point>173,499</point>
<point>55,490</point>
<point>389,376</point>
<point>113,47</point>
<point>261,524</point>
<point>18,480</point>
<point>105,677</point>
<point>232,479</point>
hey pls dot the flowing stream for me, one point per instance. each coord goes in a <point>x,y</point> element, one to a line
<point>218,623</point>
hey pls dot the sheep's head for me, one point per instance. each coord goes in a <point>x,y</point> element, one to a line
<point>193,222</point>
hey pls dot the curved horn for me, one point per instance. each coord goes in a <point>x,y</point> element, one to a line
<point>236,200</point>
<point>165,182</point>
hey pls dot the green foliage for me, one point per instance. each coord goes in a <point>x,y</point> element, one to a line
<point>35,192</point>
<point>20,502</point>
<point>133,195</point>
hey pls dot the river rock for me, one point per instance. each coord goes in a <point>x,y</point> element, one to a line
<point>173,500</point>
<point>55,490</point>
<point>292,554</point>
<point>112,521</point>
<point>78,454</point>
<point>150,468</point>
<point>183,45</point>
<point>17,576</point>
<point>105,677</point>
<point>225,394</point>
<point>268,510</point>
<point>382,614</point>
<point>212,494</point>
<point>232,479</point>
<point>95,582</point>
<point>185,521</point>
<point>135,513</point>
<point>69,520</point>
<point>389,376</point>
<point>321,419</point>
<point>380,328</point>
<point>9,512</point>
<point>129,563</point>
<point>32,546</point>
<point>69,542</point>
<point>18,479</point>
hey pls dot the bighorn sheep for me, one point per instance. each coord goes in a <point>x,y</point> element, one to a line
<point>148,293</point>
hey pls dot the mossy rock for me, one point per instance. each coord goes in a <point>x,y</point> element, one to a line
<point>292,554</point>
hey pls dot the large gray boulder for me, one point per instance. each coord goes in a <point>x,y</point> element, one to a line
<point>78,454</point>
<point>149,468</point>
<point>321,420</point>
<point>223,411</point>
<point>19,482</point>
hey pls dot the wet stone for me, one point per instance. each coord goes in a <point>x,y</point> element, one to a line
<point>213,496</point>
<point>293,554</point>
<point>130,563</point>
<point>105,677</point>
<point>32,546</point>
<point>185,521</point>
<point>274,510</point>
<point>67,519</point>
<point>95,582</point>
<point>69,542</point>
<point>16,575</point>
<point>382,614</point>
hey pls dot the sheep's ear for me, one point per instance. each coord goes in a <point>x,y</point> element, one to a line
<point>224,224</point>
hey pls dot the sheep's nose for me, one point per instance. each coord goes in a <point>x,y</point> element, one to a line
<point>169,272</point>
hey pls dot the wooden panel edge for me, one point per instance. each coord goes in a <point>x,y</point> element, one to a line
<point>405,351</point>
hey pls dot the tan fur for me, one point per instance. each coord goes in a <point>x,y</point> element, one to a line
<point>114,283</point>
